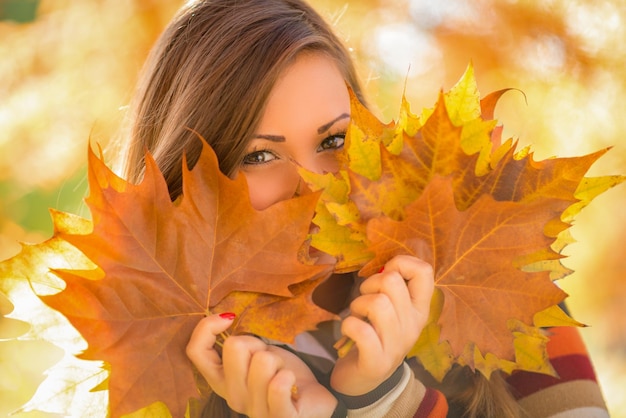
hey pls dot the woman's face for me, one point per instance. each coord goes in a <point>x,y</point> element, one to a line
<point>304,124</point>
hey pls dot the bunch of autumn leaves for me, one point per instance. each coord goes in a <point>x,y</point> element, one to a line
<point>441,186</point>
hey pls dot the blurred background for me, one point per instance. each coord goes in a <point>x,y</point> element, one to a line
<point>67,71</point>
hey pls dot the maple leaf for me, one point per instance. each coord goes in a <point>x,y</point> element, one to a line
<point>66,389</point>
<point>492,221</point>
<point>9,327</point>
<point>163,265</point>
<point>21,371</point>
<point>441,185</point>
<point>471,252</point>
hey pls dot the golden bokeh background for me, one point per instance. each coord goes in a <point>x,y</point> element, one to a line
<point>67,72</point>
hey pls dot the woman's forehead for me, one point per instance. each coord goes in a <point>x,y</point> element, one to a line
<point>311,91</point>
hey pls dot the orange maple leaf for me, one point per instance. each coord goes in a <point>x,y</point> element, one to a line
<point>492,221</point>
<point>471,252</point>
<point>164,265</point>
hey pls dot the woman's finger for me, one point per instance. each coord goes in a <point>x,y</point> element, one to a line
<point>237,354</point>
<point>419,277</point>
<point>365,337</point>
<point>378,310</point>
<point>282,391</point>
<point>264,366</point>
<point>294,390</point>
<point>201,350</point>
<point>392,284</point>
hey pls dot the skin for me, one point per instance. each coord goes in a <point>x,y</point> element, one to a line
<point>304,125</point>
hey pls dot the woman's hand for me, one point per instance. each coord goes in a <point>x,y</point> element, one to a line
<point>385,322</point>
<point>257,379</point>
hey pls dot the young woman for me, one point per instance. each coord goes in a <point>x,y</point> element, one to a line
<point>265,83</point>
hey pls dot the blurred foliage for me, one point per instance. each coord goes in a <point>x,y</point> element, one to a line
<point>18,10</point>
<point>66,76</point>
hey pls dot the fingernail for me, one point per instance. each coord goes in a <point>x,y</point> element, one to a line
<point>228,315</point>
<point>381,269</point>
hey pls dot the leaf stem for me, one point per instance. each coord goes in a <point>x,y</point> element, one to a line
<point>219,341</point>
<point>343,346</point>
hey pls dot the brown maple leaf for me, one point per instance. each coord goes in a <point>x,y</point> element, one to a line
<point>444,187</point>
<point>471,253</point>
<point>164,265</point>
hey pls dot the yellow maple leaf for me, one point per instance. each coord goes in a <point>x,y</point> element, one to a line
<point>495,221</point>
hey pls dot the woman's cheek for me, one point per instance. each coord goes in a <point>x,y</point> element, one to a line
<point>269,185</point>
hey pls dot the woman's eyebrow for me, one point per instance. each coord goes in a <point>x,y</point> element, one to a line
<point>327,126</point>
<point>273,138</point>
<point>320,130</point>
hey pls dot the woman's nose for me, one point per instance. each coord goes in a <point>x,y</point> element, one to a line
<point>318,164</point>
<point>302,188</point>
<point>313,166</point>
<point>282,183</point>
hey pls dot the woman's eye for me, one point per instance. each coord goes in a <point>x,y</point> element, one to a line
<point>332,142</point>
<point>258,157</point>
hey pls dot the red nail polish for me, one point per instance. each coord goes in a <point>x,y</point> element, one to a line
<point>381,269</point>
<point>228,315</point>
